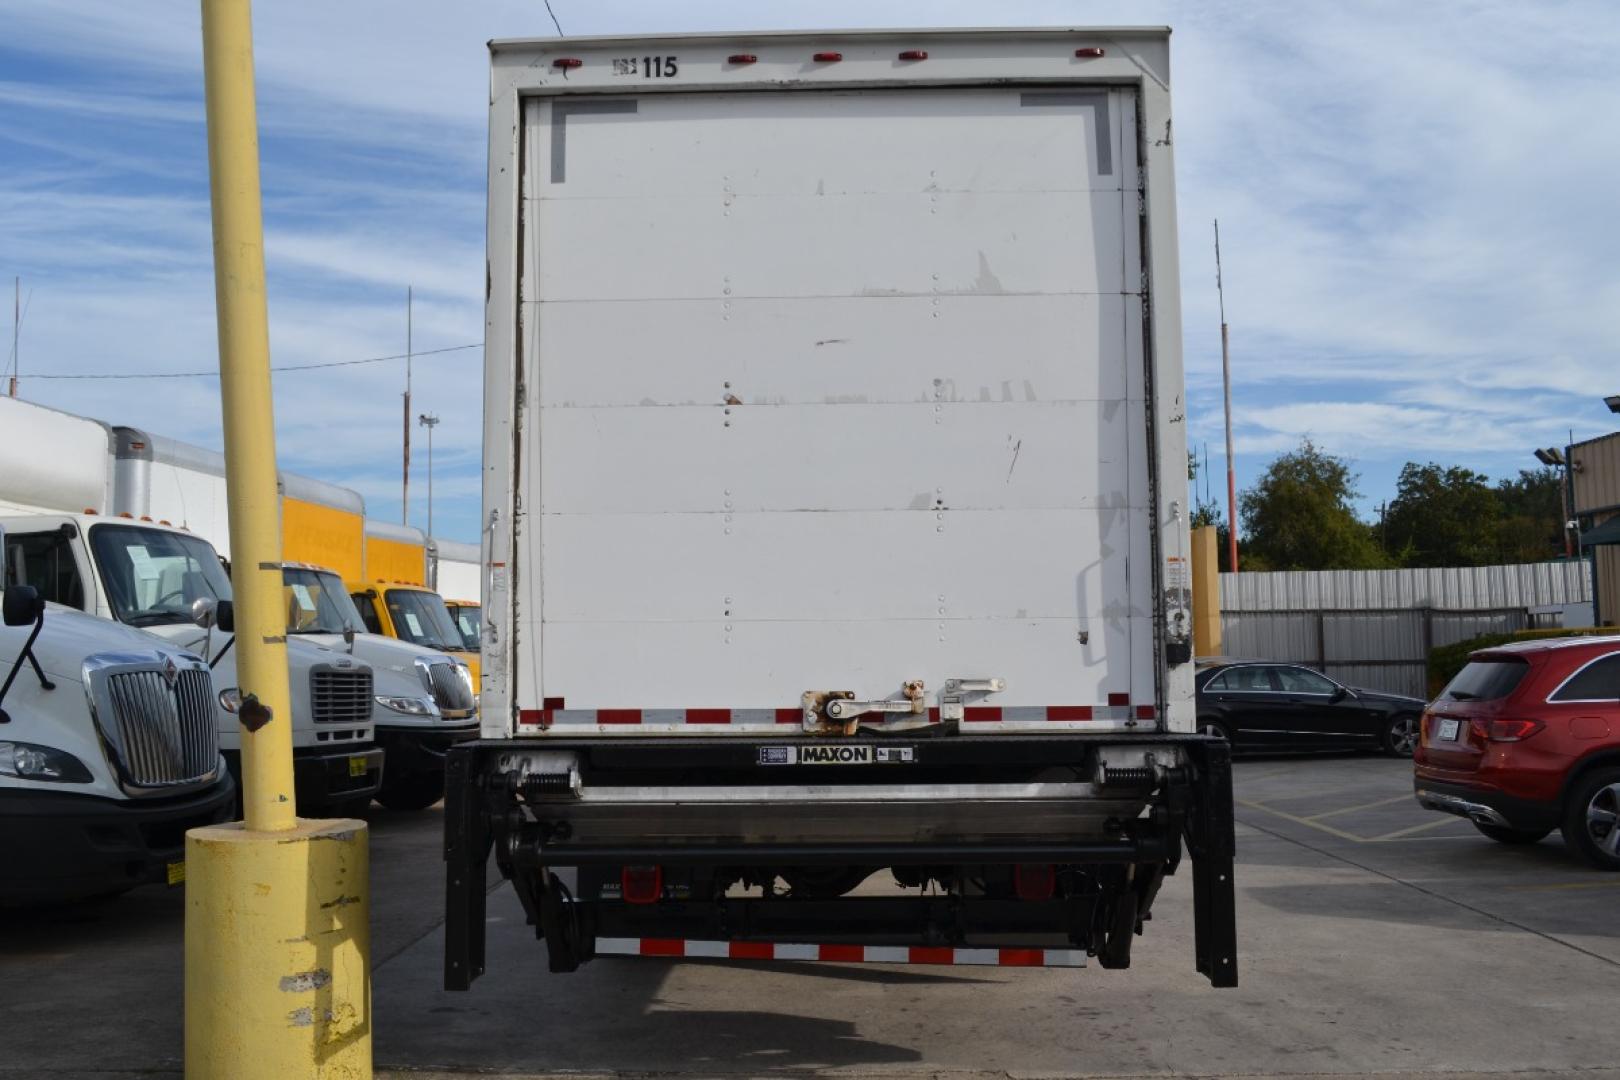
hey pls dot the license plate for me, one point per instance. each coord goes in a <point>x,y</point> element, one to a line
<point>1448,730</point>
<point>175,872</point>
<point>357,765</point>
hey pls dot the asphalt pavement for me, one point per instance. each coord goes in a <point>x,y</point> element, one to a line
<point>1376,938</point>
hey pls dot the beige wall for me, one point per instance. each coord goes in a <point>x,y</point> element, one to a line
<point>1607,560</point>
<point>1596,477</point>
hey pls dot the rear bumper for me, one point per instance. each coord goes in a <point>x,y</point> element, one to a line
<point>65,847</point>
<point>1485,805</point>
<point>943,808</point>
<point>413,750</point>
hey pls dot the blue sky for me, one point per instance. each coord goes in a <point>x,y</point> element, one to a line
<point>1416,206</point>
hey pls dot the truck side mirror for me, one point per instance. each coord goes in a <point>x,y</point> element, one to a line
<point>22,605</point>
<point>225,616</point>
<point>204,612</point>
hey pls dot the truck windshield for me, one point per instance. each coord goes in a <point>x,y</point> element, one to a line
<point>421,619</point>
<point>469,620</point>
<point>152,576</point>
<point>317,603</point>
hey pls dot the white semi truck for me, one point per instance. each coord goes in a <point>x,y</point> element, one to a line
<point>108,752</point>
<point>836,506</point>
<point>56,487</point>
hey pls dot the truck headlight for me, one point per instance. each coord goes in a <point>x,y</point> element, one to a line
<point>230,699</point>
<point>26,761</point>
<point>410,706</point>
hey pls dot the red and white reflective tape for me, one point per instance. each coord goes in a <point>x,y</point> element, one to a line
<point>1117,715</point>
<point>843,954</point>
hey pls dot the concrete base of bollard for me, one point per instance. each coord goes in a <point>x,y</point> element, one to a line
<point>278,952</point>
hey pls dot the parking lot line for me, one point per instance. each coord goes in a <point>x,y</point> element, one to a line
<point>1405,796</point>
<point>1297,820</point>
<point>1410,829</point>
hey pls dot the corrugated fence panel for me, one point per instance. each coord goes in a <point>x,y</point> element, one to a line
<point>1396,678</point>
<point>1523,585</point>
<point>1279,635</point>
<point>1374,629</point>
<point>1372,636</point>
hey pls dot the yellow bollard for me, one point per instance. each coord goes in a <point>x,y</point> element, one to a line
<point>278,952</point>
<point>1206,592</point>
<point>278,941</point>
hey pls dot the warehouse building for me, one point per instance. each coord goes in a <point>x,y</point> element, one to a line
<point>1594,471</point>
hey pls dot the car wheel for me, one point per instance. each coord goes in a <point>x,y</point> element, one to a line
<point>1592,818</point>
<point>416,791</point>
<point>1505,835</point>
<point>1401,735</point>
<point>1215,730</point>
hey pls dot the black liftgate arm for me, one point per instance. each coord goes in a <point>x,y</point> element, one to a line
<point>1209,829</point>
<point>467,839</point>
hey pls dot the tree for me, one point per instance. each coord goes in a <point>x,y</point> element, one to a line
<point>1442,517</point>
<point>1299,516</point>
<point>1532,524</point>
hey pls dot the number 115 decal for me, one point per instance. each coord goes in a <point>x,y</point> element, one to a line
<point>648,67</point>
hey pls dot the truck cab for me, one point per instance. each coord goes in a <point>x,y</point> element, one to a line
<point>425,701</point>
<point>414,614</point>
<point>469,619</point>
<point>109,752</point>
<point>158,579</point>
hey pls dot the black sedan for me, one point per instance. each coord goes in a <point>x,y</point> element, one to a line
<point>1263,705</point>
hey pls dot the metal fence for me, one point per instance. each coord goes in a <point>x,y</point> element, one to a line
<point>1374,628</point>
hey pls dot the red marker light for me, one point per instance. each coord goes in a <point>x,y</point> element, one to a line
<point>567,63</point>
<point>1090,53</point>
<point>914,54</point>
<point>641,884</point>
<point>827,57</point>
<point>741,58</point>
<point>1034,882</point>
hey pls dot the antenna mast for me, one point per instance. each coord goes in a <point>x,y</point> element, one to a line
<point>1226,389</point>
<point>16,327</point>
<point>405,486</point>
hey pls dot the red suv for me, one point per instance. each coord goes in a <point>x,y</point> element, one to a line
<point>1526,739</point>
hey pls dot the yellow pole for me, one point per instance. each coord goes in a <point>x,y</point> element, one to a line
<point>250,440</point>
<point>1206,592</point>
<point>278,943</point>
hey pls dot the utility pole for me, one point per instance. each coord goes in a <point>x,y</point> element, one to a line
<point>1226,387</point>
<point>277,981</point>
<point>405,490</point>
<point>430,422</point>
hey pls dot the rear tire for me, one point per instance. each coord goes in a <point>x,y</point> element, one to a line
<point>1401,735</point>
<point>1504,835</point>
<point>413,791</point>
<point>1592,818</point>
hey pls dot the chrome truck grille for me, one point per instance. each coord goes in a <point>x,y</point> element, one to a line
<point>340,697</point>
<point>157,718</point>
<point>451,693</point>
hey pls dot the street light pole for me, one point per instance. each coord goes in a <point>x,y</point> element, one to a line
<point>430,422</point>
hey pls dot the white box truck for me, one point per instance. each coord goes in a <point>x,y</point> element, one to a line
<point>836,506</point>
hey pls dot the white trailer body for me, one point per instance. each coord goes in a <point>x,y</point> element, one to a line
<point>833,391</point>
<point>457,572</point>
